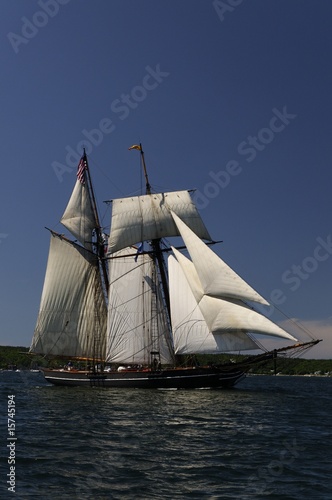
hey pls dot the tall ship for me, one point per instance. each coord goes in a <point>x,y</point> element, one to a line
<point>129,309</point>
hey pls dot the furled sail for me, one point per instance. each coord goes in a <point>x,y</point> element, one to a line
<point>190,331</point>
<point>79,216</point>
<point>137,324</point>
<point>148,217</point>
<point>223,314</point>
<point>72,316</point>
<point>215,276</point>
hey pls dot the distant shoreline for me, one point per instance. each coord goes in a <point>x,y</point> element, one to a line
<point>15,357</point>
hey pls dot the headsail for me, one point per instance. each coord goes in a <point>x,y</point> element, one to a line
<point>190,331</point>
<point>72,315</point>
<point>224,314</point>
<point>148,217</point>
<point>216,277</point>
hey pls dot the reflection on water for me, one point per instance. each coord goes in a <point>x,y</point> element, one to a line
<point>249,442</point>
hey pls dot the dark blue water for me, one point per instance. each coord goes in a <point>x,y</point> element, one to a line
<point>270,438</point>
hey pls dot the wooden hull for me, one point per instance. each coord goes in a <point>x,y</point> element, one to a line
<point>179,378</point>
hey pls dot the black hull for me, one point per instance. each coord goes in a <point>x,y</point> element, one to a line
<point>185,378</point>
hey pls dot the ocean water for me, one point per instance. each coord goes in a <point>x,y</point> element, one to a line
<point>269,438</point>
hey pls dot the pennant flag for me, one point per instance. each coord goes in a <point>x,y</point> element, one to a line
<point>139,250</point>
<point>81,171</point>
<point>135,146</point>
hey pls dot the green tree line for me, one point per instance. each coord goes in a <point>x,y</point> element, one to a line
<point>18,358</point>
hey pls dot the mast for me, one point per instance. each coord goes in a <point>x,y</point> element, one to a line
<point>147,183</point>
<point>97,346</point>
<point>156,243</point>
<point>157,252</point>
<point>99,236</point>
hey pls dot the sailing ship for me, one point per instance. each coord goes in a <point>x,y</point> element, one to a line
<point>130,310</point>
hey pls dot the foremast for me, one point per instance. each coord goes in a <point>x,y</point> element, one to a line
<point>99,243</point>
<point>98,230</point>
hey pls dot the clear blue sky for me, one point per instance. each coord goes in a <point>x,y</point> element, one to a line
<point>234,101</point>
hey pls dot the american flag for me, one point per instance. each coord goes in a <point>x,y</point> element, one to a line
<point>81,171</point>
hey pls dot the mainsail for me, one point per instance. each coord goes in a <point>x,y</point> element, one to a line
<point>138,316</point>
<point>137,323</point>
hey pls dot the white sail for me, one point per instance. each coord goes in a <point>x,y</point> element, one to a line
<point>144,218</point>
<point>79,217</point>
<point>225,315</point>
<point>216,277</point>
<point>136,324</point>
<point>72,315</point>
<point>190,331</point>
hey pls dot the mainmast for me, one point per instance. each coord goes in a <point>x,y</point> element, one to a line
<point>157,252</point>
<point>147,183</point>
<point>156,244</point>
